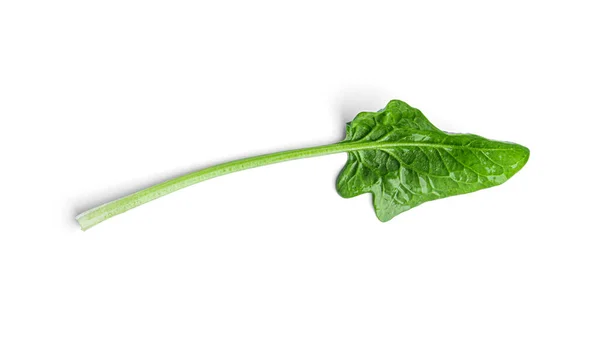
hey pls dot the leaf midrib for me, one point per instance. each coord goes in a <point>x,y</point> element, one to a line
<point>374,145</point>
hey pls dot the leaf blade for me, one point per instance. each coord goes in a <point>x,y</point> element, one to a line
<point>407,161</point>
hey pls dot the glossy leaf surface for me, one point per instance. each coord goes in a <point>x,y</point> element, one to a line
<point>403,160</point>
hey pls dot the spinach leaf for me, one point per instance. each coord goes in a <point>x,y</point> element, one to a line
<point>396,154</point>
<point>407,161</point>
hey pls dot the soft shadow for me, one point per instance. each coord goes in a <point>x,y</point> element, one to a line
<point>357,99</point>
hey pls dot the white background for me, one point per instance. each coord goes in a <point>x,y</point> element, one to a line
<point>100,99</point>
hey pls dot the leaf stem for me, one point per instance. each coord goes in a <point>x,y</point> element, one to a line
<point>98,214</point>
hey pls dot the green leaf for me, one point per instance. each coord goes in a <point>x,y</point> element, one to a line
<point>403,160</point>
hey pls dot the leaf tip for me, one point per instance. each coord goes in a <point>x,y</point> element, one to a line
<point>523,156</point>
